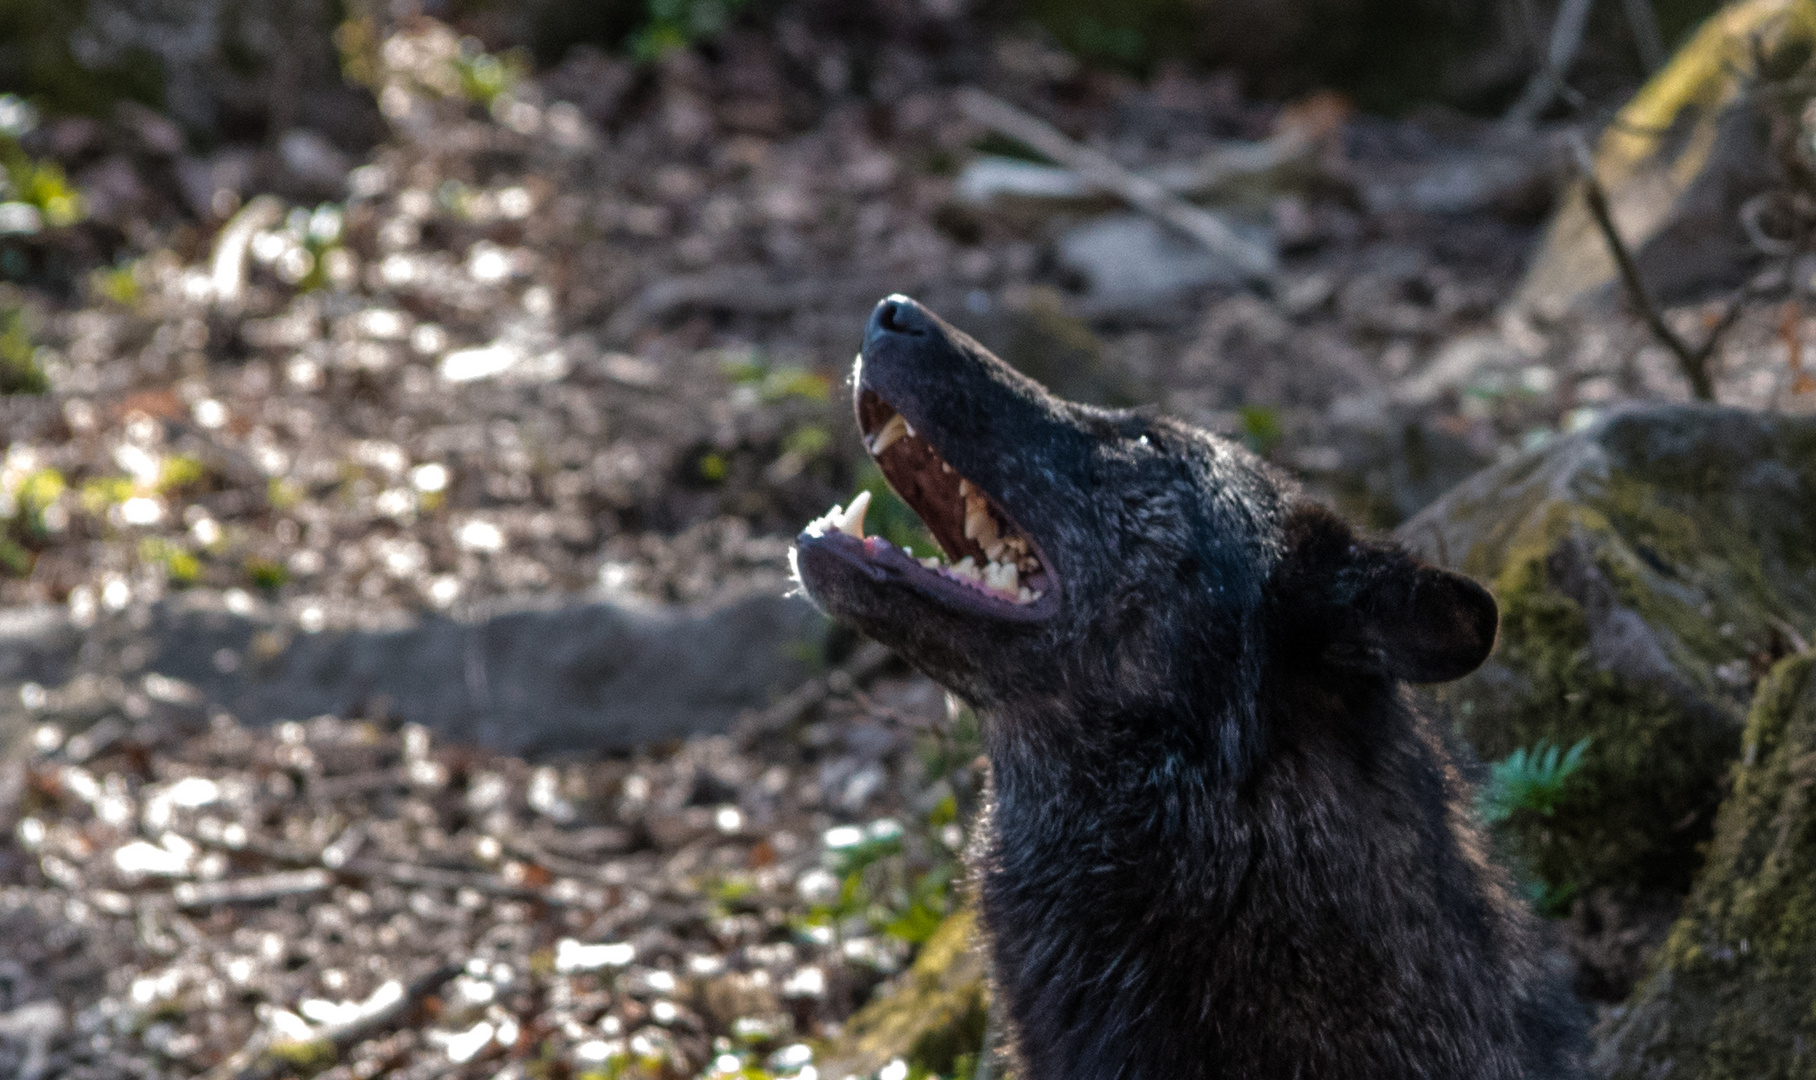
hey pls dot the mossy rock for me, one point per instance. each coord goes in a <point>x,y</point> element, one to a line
<point>933,1017</point>
<point>1649,570</point>
<point>1730,996</point>
<point>1677,163</point>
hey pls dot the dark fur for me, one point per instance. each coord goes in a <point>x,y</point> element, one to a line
<point>1221,842</point>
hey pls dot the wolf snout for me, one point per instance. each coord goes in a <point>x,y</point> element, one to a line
<point>897,315</point>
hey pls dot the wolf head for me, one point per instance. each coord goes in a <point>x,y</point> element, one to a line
<point>1104,568</point>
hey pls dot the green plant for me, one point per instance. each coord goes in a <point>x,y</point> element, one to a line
<point>1130,36</point>
<point>677,24</point>
<point>485,76</point>
<point>775,382</point>
<point>179,565</point>
<point>180,471</point>
<point>1261,428</point>
<point>19,370</point>
<point>36,493</point>
<point>102,492</point>
<point>119,283</point>
<point>266,574</point>
<point>1529,781</point>
<point>1533,782</point>
<point>281,494</point>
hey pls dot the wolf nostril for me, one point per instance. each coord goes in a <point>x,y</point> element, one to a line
<point>899,315</point>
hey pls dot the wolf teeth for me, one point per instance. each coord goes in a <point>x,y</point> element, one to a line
<point>896,428</point>
<point>853,523</point>
<point>846,519</point>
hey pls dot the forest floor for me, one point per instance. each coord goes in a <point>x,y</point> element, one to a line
<point>587,336</point>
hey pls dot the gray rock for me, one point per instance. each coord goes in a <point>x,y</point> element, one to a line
<point>560,678</point>
<point>1649,569</point>
<point>1130,263</point>
<point>33,1025</point>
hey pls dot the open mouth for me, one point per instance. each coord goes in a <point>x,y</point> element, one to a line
<point>985,556</point>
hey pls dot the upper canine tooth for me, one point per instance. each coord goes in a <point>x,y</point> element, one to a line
<point>893,430</point>
<point>964,487</point>
<point>851,523</point>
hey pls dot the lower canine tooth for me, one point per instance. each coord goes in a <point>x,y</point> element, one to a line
<point>852,522</point>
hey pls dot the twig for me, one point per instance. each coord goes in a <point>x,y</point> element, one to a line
<point>1104,172</point>
<point>227,270</point>
<point>1693,362</point>
<point>435,877</point>
<point>251,890</point>
<point>1548,81</point>
<point>990,178</point>
<point>863,665</point>
<point>1647,37</point>
<point>266,1064</point>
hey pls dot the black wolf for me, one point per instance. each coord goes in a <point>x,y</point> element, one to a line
<point>1220,842</point>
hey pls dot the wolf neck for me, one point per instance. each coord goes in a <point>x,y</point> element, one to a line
<point>1223,929</point>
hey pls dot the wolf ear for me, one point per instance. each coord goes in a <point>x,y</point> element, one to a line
<point>1425,624</point>
<point>1376,606</point>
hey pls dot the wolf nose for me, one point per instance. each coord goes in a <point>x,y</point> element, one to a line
<point>898,315</point>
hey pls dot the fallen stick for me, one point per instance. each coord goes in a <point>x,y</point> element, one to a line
<point>990,178</point>
<point>1693,362</point>
<point>1104,172</point>
<point>866,662</point>
<point>250,890</point>
<point>263,1059</point>
<point>227,269</point>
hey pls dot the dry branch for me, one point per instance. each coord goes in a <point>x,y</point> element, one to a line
<point>268,1065</point>
<point>1104,172</point>
<point>1694,362</point>
<point>864,664</point>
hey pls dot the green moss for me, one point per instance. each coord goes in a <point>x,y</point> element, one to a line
<point>1648,572</point>
<point>1645,780</point>
<point>932,1018</point>
<point>304,1058</point>
<point>1730,994</point>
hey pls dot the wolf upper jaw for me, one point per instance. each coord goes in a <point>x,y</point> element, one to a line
<point>985,551</point>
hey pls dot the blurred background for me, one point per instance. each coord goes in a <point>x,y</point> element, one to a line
<point>408,405</point>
